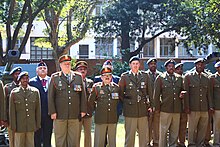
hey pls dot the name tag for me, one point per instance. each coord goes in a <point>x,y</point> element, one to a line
<point>77,87</point>
<point>115,96</point>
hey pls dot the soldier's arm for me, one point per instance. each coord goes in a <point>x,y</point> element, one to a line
<point>122,84</point>
<point>186,98</point>
<point>2,102</point>
<point>150,91</point>
<point>83,100</point>
<point>92,98</point>
<point>51,97</point>
<point>12,114</point>
<point>38,110</point>
<point>157,93</point>
<point>209,96</point>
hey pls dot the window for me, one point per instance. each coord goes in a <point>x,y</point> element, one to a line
<point>83,51</point>
<point>104,47</point>
<point>148,49</point>
<point>167,46</point>
<point>182,51</point>
<point>39,52</point>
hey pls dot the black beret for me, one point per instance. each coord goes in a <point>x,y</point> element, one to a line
<point>151,60</point>
<point>15,70</point>
<point>168,62</point>
<point>64,58</point>
<point>106,70</point>
<point>23,73</point>
<point>217,64</point>
<point>81,64</point>
<point>199,60</point>
<point>42,63</point>
<point>178,65</point>
<point>134,58</point>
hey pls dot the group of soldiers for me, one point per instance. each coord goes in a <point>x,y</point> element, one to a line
<point>155,105</point>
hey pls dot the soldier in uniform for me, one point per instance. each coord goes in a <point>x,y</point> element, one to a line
<point>135,93</point>
<point>41,82</point>
<point>183,115</point>
<point>66,103</point>
<point>215,92</point>
<point>24,112</point>
<point>168,101</point>
<point>86,122</point>
<point>104,100</point>
<point>7,89</point>
<point>154,118</point>
<point>197,103</point>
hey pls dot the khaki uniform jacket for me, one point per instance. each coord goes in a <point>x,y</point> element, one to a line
<point>135,94</point>
<point>67,99</point>
<point>24,109</point>
<point>2,103</point>
<point>166,93</point>
<point>152,80</point>
<point>104,101</point>
<point>7,89</point>
<point>215,90</point>
<point>198,96</point>
<point>88,86</point>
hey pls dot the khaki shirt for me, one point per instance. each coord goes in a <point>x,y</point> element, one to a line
<point>66,98</point>
<point>25,109</point>
<point>166,93</point>
<point>135,94</point>
<point>198,96</point>
<point>104,101</point>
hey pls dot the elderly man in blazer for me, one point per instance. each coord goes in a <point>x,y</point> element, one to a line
<point>24,112</point>
<point>41,82</point>
<point>66,103</point>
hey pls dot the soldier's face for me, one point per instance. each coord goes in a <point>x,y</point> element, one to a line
<point>106,78</point>
<point>200,67</point>
<point>65,66</point>
<point>24,81</point>
<point>179,70</point>
<point>152,66</point>
<point>170,68</point>
<point>15,75</point>
<point>134,65</point>
<point>83,71</point>
<point>42,71</point>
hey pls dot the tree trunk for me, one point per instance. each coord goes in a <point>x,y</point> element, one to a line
<point>125,45</point>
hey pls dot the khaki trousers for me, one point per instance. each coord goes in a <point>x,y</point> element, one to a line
<point>209,130</point>
<point>182,128</point>
<point>140,125</point>
<point>86,123</point>
<point>66,132</point>
<point>11,135</point>
<point>216,123</point>
<point>24,139</point>
<point>154,120</point>
<point>198,122</point>
<point>100,135</point>
<point>169,122</point>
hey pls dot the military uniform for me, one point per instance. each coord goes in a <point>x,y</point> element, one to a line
<point>66,98</point>
<point>104,100</point>
<point>135,93</point>
<point>154,118</point>
<point>198,101</point>
<point>87,120</point>
<point>24,115</point>
<point>215,92</point>
<point>166,97</point>
<point>2,102</point>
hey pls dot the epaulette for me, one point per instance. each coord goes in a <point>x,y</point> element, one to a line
<point>163,75</point>
<point>16,89</point>
<point>97,84</point>
<point>127,72</point>
<point>89,80</point>
<point>77,73</point>
<point>114,84</point>
<point>59,73</point>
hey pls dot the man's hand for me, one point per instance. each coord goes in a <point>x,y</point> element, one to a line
<point>83,114</point>
<point>211,111</point>
<point>54,116</point>
<point>182,94</point>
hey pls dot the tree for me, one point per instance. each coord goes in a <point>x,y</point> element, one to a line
<point>17,17</point>
<point>67,22</point>
<point>134,19</point>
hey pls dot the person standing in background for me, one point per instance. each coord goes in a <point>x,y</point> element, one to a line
<point>86,122</point>
<point>41,82</point>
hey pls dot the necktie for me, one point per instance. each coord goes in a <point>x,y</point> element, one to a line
<point>68,77</point>
<point>136,77</point>
<point>154,76</point>
<point>43,82</point>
